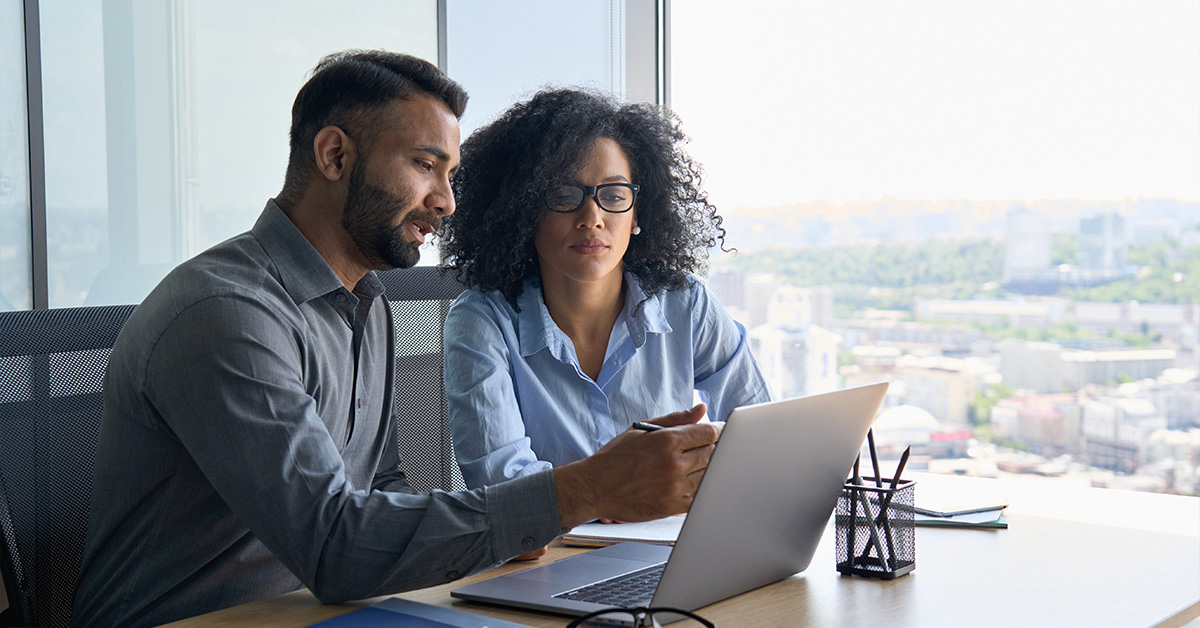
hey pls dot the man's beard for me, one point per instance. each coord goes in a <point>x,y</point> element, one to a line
<point>368,217</point>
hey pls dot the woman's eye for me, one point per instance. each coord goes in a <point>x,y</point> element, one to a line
<point>563,197</point>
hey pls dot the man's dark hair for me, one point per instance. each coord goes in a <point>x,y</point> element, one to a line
<point>349,89</point>
<point>509,165</point>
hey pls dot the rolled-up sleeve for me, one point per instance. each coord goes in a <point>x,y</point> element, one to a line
<point>490,440</point>
<point>227,377</point>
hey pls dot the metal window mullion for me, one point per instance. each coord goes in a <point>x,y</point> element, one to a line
<point>37,157</point>
<point>441,36</point>
<point>664,53</point>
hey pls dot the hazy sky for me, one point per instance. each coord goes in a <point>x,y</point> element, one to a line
<point>803,101</point>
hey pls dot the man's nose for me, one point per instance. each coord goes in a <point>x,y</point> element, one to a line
<point>441,200</point>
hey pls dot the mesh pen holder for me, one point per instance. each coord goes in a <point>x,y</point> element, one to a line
<point>875,527</point>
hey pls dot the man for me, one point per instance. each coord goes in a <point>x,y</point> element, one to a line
<point>248,446</point>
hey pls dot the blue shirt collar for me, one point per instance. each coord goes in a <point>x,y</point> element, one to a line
<point>642,315</point>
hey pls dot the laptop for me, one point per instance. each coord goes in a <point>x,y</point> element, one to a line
<point>758,516</point>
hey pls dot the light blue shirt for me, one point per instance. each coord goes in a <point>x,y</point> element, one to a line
<point>519,402</point>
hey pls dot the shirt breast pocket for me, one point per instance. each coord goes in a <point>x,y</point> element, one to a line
<point>644,397</point>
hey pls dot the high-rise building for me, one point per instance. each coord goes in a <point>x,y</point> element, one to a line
<point>729,287</point>
<point>943,386</point>
<point>1102,243</point>
<point>793,306</point>
<point>1026,245</point>
<point>797,360</point>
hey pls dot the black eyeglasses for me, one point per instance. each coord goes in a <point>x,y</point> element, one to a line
<point>614,198</point>
<point>637,616</point>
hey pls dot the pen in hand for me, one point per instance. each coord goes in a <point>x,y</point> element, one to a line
<point>645,427</point>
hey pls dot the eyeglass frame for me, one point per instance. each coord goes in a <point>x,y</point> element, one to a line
<point>638,613</point>
<point>594,191</point>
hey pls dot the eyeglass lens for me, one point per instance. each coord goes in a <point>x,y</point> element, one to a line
<point>612,197</point>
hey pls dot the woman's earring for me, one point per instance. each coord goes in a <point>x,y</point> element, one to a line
<point>636,230</point>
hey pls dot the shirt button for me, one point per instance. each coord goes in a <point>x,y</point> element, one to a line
<point>527,542</point>
<point>341,298</point>
<point>452,575</point>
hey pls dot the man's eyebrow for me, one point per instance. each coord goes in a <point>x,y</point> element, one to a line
<point>435,151</point>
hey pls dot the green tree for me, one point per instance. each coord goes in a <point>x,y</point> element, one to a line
<point>980,413</point>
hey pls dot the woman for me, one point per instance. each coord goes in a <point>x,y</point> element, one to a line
<point>579,223</point>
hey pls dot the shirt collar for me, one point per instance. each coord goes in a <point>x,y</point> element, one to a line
<point>304,274</point>
<point>643,314</point>
<point>537,330</point>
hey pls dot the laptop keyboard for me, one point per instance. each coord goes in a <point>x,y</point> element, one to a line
<point>632,589</point>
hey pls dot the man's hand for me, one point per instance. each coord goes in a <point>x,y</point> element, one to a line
<point>639,476</point>
<point>531,555</point>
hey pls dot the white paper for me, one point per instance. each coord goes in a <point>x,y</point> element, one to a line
<point>662,531</point>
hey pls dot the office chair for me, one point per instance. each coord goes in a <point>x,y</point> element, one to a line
<point>419,299</point>
<point>52,366</point>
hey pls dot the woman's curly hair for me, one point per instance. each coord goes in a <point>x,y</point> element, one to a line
<point>510,164</point>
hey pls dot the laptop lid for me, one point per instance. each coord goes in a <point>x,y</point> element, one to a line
<point>758,516</point>
<point>767,495</point>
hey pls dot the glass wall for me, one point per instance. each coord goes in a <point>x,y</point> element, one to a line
<point>994,206</point>
<point>167,123</point>
<point>16,280</point>
<point>503,55</point>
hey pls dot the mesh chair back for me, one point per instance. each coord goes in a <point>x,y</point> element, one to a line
<point>420,298</point>
<point>52,366</point>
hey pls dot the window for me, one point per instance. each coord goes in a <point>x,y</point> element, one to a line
<point>167,123</point>
<point>994,206</point>
<point>503,55</point>
<point>16,279</point>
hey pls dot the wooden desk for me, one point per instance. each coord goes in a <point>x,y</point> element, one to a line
<point>1069,557</point>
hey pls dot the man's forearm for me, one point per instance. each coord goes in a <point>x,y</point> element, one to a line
<point>577,499</point>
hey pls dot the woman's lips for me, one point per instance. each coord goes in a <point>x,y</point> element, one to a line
<point>590,247</point>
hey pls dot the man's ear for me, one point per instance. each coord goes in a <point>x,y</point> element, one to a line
<point>334,152</point>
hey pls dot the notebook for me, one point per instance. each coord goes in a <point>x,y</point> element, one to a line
<point>660,531</point>
<point>983,519</point>
<point>758,516</point>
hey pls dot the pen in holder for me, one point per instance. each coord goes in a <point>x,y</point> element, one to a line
<point>875,527</point>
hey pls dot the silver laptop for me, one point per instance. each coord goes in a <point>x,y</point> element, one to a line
<point>758,516</point>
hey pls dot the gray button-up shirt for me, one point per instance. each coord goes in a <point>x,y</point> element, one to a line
<point>245,452</point>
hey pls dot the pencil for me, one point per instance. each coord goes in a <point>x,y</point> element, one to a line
<point>874,457</point>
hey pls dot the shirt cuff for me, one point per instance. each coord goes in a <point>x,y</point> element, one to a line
<point>523,514</point>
